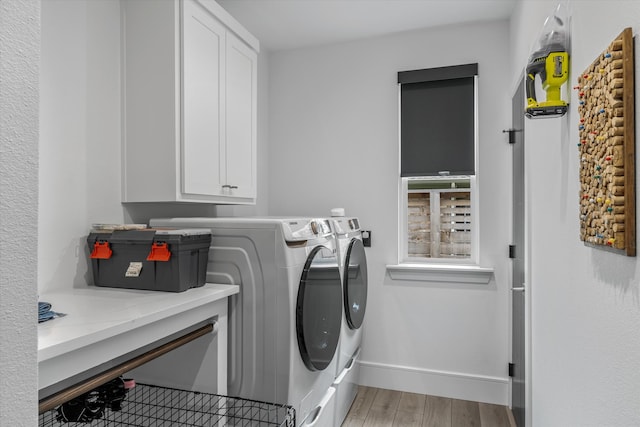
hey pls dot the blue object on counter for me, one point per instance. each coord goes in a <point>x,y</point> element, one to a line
<point>45,313</point>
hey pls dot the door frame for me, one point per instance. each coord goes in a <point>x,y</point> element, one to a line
<point>527,279</point>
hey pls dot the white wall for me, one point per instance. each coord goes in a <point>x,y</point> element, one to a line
<point>19,64</point>
<point>334,143</point>
<point>585,302</point>
<point>79,134</point>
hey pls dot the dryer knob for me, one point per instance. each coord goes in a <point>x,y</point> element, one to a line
<point>314,227</point>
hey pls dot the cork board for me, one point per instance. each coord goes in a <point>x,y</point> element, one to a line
<point>607,148</point>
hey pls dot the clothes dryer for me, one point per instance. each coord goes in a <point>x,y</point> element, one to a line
<point>353,270</point>
<point>284,325</point>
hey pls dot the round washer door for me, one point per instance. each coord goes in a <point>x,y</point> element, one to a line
<point>319,309</point>
<point>355,284</point>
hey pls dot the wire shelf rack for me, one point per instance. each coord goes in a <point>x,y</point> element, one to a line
<point>154,406</point>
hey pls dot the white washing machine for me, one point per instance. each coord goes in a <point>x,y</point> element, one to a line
<point>284,325</point>
<point>353,270</point>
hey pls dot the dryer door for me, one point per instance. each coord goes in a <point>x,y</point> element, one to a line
<point>319,309</point>
<point>355,284</point>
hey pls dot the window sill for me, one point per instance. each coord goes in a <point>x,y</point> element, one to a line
<point>470,274</point>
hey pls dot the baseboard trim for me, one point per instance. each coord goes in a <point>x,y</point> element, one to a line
<point>454,385</point>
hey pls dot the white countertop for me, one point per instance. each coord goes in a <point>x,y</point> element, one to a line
<point>104,319</point>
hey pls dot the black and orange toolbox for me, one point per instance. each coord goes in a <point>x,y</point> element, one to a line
<point>172,260</point>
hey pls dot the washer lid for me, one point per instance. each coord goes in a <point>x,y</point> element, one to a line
<point>355,284</point>
<point>319,309</point>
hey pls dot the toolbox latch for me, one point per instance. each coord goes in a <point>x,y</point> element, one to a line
<point>159,252</point>
<point>101,250</point>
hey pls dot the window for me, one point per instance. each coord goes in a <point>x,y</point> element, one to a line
<point>439,219</point>
<point>438,131</point>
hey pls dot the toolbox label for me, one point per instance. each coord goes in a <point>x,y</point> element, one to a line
<point>134,269</point>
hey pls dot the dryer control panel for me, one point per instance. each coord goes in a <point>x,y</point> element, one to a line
<point>296,230</point>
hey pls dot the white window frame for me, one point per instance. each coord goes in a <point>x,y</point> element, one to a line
<point>440,269</point>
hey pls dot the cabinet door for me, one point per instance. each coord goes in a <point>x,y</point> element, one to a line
<point>202,148</point>
<point>241,84</point>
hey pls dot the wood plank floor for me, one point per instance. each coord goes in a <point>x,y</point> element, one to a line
<point>374,407</point>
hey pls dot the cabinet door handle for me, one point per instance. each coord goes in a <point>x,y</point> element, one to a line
<point>230,187</point>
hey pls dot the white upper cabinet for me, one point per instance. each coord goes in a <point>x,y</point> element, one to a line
<point>190,84</point>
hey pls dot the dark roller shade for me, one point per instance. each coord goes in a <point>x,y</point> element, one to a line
<point>439,73</point>
<point>437,125</point>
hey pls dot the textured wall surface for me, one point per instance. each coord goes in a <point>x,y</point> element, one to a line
<point>19,65</point>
